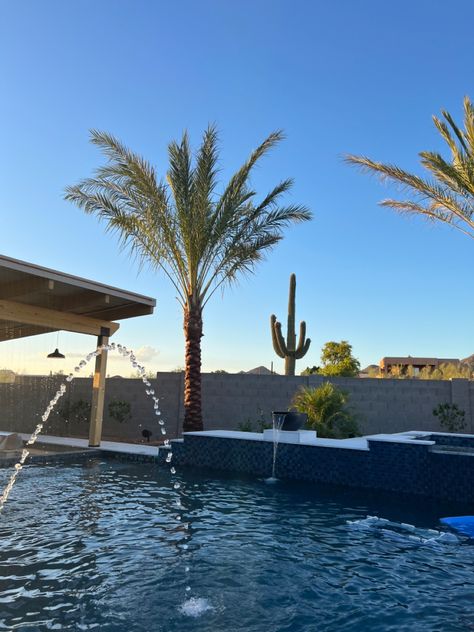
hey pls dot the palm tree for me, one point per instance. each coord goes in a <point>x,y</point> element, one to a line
<point>200,239</point>
<point>447,195</point>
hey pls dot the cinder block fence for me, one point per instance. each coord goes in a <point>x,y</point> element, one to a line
<point>230,400</point>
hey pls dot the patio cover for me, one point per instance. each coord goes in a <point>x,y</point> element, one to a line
<point>36,300</point>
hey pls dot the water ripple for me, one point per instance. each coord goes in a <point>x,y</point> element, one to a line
<point>97,546</point>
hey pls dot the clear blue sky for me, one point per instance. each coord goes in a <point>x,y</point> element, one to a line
<point>343,76</point>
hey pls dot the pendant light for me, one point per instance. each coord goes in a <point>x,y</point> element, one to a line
<point>56,353</point>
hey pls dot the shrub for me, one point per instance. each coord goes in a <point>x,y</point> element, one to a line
<point>261,423</point>
<point>327,411</point>
<point>246,426</point>
<point>120,410</point>
<point>450,416</point>
<point>79,410</point>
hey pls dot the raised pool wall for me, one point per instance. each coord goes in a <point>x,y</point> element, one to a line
<point>381,406</point>
<point>408,463</point>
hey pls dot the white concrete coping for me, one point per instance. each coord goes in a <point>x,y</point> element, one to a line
<point>83,444</point>
<point>304,437</point>
<point>399,438</point>
<point>290,436</point>
<point>425,433</point>
<point>357,443</point>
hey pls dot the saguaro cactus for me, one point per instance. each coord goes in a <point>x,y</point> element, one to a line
<point>289,350</point>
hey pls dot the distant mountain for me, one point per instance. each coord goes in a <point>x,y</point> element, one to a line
<point>372,368</point>
<point>259,370</point>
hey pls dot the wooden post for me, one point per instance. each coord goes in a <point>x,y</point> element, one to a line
<point>98,392</point>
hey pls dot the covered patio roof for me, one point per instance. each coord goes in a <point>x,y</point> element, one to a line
<point>36,300</point>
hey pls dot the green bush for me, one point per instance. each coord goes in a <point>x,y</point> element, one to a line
<point>259,425</point>
<point>80,410</point>
<point>327,411</point>
<point>120,410</point>
<point>246,426</point>
<point>450,416</point>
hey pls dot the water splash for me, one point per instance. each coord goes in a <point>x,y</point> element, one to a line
<point>195,607</point>
<point>25,452</point>
<point>278,420</point>
<point>122,350</point>
<point>271,480</point>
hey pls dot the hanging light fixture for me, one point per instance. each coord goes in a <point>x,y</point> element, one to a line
<point>56,353</point>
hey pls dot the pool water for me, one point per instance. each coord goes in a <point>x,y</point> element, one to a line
<point>98,546</point>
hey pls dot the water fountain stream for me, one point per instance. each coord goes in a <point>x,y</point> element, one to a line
<point>192,606</point>
<point>278,419</point>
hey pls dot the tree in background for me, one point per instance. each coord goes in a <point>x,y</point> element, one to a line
<point>200,239</point>
<point>447,195</point>
<point>310,370</point>
<point>337,360</point>
<point>446,371</point>
<point>326,407</point>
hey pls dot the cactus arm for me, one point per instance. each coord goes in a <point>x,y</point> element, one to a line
<point>302,335</point>
<point>277,338</point>
<point>300,352</point>
<point>303,346</point>
<point>281,341</point>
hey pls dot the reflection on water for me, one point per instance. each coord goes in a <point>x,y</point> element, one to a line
<point>101,546</point>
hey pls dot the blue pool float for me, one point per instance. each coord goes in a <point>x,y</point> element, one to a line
<point>462,524</point>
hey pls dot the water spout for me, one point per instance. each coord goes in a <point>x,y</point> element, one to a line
<point>278,419</point>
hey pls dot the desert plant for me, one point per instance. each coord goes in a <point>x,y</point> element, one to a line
<point>259,425</point>
<point>450,416</point>
<point>245,426</point>
<point>289,350</point>
<point>326,407</point>
<point>80,410</point>
<point>200,239</point>
<point>120,410</point>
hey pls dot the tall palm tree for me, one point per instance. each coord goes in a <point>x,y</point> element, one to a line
<point>447,195</point>
<point>200,239</point>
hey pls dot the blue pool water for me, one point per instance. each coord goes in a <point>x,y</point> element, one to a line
<point>97,546</point>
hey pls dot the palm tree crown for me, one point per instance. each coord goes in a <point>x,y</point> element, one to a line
<point>447,195</point>
<point>200,239</point>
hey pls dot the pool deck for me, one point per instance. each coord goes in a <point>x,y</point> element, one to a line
<point>83,444</point>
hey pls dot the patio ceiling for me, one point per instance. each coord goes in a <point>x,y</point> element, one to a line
<point>36,300</point>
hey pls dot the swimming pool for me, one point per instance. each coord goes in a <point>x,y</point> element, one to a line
<point>98,546</point>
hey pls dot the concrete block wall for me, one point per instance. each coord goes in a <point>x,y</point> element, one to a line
<point>380,405</point>
<point>23,403</point>
<point>229,400</point>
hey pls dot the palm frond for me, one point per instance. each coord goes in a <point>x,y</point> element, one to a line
<point>449,196</point>
<point>199,239</point>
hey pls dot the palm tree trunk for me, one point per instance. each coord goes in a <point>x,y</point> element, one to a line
<point>192,369</point>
